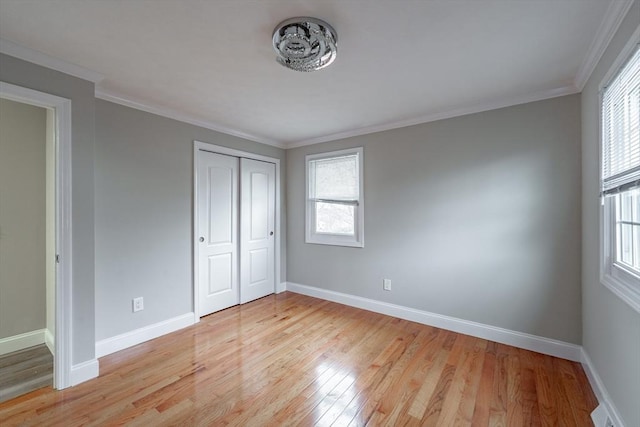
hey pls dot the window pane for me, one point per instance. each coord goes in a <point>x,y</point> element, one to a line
<point>628,228</point>
<point>334,218</point>
<point>336,178</point>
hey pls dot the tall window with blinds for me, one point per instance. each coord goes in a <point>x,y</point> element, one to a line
<point>620,183</point>
<point>335,198</point>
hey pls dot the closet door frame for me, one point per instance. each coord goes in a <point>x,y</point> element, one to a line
<point>199,146</point>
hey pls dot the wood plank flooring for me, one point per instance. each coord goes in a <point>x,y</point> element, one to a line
<point>24,371</point>
<point>290,359</point>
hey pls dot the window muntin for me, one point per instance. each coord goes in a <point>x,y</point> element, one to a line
<point>335,212</point>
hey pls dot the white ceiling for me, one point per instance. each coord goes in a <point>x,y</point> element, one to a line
<point>399,62</point>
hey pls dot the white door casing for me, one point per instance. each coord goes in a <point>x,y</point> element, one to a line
<point>257,224</point>
<point>218,232</point>
<point>63,224</point>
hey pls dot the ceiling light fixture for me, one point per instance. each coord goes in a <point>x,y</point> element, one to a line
<point>305,44</point>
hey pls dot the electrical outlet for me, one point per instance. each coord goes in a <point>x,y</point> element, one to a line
<point>138,304</point>
<point>386,284</point>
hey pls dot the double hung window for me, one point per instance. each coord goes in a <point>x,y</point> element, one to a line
<point>335,198</point>
<point>620,182</point>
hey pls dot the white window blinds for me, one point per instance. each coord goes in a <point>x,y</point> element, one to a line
<point>335,179</point>
<point>621,129</point>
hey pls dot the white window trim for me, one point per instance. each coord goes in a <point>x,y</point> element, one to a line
<point>622,282</point>
<point>356,241</point>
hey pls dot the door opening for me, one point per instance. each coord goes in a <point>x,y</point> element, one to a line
<point>56,226</point>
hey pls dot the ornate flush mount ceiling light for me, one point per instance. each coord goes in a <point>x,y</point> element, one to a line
<point>305,44</point>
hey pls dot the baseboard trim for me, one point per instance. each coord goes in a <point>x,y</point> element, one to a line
<point>505,336</point>
<point>84,371</point>
<point>281,287</point>
<point>49,341</point>
<point>606,408</point>
<point>135,337</point>
<point>21,341</point>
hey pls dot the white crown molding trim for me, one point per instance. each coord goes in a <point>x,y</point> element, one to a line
<point>485,106</point>
<point>614,16</point>
<point>146,333</point>
<point>84,372</point>
<point>505,336</point>
<point>182,117</point>
<point>21,341</point>
<point>12,49</point>
<point>606,408</point>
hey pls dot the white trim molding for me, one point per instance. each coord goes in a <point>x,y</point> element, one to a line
<point>64,221</point>
<point>606,408</point>
<point>49,341</point>
<point>170,113</point>
<point>22,341</point>
<point>610,23</point>
<point>84,371</point>
<point>493,333</point>
<point>12,49</point>
<point>146,333</point>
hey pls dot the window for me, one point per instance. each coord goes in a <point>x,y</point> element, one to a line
<point>335,202</point>
<point>620,183</point>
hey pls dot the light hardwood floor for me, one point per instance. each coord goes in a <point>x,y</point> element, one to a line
<point>290,359</point>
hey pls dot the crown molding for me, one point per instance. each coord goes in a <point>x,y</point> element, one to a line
<point>180,116</point>
<point>12,49</point>
<point>478,108</point>
<point>614,16</point>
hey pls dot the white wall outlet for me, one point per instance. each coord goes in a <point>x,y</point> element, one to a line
<point>138,304</point>
<point>386,284</point>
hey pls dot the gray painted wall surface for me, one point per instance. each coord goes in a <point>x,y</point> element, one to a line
<point>611,328</point>
<point>81,93</point>
<point>476,217</point>
<point>23,130</point>
<point>144,214</point>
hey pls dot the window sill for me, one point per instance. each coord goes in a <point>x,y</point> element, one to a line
<point>334,242</point>
<point>627,293</point>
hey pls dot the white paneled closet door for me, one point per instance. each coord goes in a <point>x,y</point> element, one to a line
<point>218,232</point>
<point>257,221</point>
<point>236,220</point>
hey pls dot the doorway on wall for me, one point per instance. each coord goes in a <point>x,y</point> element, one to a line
<point>35,240</point>
<point>236,243</point>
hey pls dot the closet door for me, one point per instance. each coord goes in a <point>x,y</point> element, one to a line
<point>218,232</point>
<point>257,240</point>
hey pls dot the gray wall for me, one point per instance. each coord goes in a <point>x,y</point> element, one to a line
<point>81,93</point>
<point>476,217</point>
<point>23,130</point>
<point>611,328</point>
<point>144,214</point>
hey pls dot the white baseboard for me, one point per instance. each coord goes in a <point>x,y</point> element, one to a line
<point>281,287</point>
<point>19,342</point>
<point>50,341</point>
<point>84,371</point>
<point>606,408</point>
<point>129,339</point>
<point>505,336</point>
